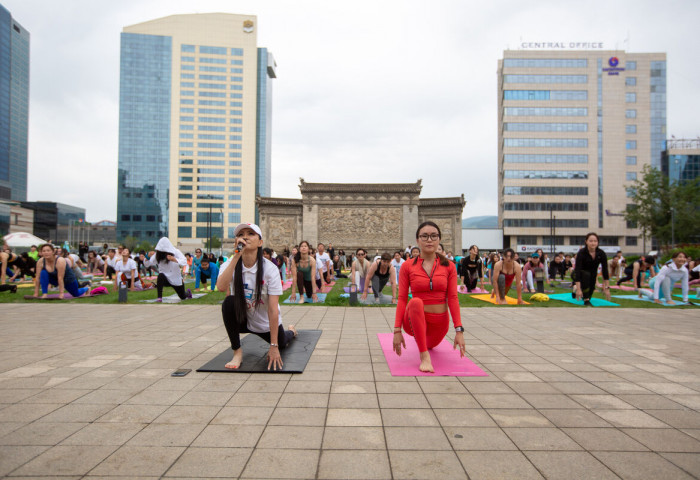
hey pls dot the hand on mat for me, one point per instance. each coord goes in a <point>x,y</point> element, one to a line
<point>364,296</point>
<point>293,297</point>
<point>459,340</point>
<point>274,359</point>
<point>314,297</point>
<point>398,341</point>
<point>607,294</point>
<point>60,296</point>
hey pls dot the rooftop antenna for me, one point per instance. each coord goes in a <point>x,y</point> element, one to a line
<point>627,41</point>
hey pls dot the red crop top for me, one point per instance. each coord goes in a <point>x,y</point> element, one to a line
<point>444,288</point>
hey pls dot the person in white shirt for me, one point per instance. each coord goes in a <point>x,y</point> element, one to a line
<point>169,261</point>
<point>110,261</point>
<point>674,271</point>
<point>253,285</point>
<point>127,273</point>
<point>95,263</point>
<point>323,263</point>
<point>396,263</point>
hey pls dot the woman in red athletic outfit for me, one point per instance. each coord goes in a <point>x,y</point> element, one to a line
<point>433,282</point>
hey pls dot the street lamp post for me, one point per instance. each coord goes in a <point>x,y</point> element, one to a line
<point>673,230</point>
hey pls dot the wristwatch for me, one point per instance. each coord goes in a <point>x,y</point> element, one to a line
<point>274,345</point>
<point>459,329</point>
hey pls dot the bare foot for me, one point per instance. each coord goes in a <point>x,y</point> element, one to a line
<point>301,300</point>
<point>237,357</point>
<point>293,329</point>
<point>425,364</point>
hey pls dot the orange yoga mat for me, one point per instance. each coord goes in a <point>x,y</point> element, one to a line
<point>486,297</point>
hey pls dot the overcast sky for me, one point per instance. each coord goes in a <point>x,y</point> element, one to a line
<point>367,91</point>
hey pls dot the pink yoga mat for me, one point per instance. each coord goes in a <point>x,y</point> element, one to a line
<point>463,289</point>
<point>446,361</point>
<point>624,288</point>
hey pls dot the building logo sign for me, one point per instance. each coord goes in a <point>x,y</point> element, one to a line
<point>248,26</point>
<point>614,69</point>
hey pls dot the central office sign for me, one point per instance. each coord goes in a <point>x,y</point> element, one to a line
<point>562,45</point>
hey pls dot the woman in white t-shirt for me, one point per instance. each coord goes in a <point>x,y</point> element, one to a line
<point>252,304</point>
<point>170,262</point>
<point>127,272</point>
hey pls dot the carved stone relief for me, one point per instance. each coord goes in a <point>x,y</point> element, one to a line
<point>281,231</point>
<point>360,225</point>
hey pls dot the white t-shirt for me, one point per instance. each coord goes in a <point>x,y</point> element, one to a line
<point>111,262</point>
<point>126,269</point>
<point>321,260</point>
<point>171,270</point>
<point>75,258</point>
<point>258,321</point>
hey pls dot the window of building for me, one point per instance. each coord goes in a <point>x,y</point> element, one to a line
<point>184,232</point>
<point>213,60</point>
<point>630,65</point>
<point>631,81</point>
<point>212,171</point>
<point>215,103</point>
<point>211,154</point>
<point>545,207</point>
<point>630,113</point>
<point>234,205</point>
<point>211,136</point>
<point>209,196</point>
<point>211,128</point>
<point>631,224</point>
<point>546,111</point>
<point>545,78</point>
<point>215,232</point>
<point>545,190</point>
<point>211,162</point>
<point>235,154</point>
<point>527,240</point>
<point>185,179</point>
<point>631,241</point>
<point>544,127</point>
<point>234,197</point>
<point>126,218</point>
<point>186,161</point>
<point>184,216</point>
<point>186,135</point>
<point>185,170</point>
<point>236,70</point>
<point>577,240</point>
<point>545,174</point>
<point>236,62</point>
<point>631,176</point>
<point>609,241</point>
<point>630,97</point>
<point>218,78</point>
<point>546,142</point>
<point>545,222</point>
<point>213,205</point>
<point>184,204</point>
<point>546,62</point>
<point>184,195</point>
<point>631,144</point>
<point>187,48</point>
<point>205,216</point>
<point>630,128</point>
<point>632,160</point>
<point>207,68</point>
<point>187,76</point>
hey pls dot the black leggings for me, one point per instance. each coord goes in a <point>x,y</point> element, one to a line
<point>304,286</point>
<point>629,275</point>
<point>163,282</point>
<point>470,280</point>
<point>587,283</point>
<point>234,327</point>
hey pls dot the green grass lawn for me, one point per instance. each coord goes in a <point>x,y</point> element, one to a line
<point>333,298</point>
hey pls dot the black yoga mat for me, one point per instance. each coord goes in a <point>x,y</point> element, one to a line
<point>295,356</point>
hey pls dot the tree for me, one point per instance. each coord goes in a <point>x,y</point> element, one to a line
<point>665,210</point>
<point>130,242</point>
<point>215,243</point>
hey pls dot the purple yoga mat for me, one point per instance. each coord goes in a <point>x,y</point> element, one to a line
<point>446,361</point>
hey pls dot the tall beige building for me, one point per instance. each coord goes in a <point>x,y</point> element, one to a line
<point>575,127</point>
<point>194,127</point>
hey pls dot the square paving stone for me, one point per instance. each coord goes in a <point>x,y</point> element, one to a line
<point>299,416</point>
<point>166,435</point>
<point>12,457</point>
<point>574,418</point>
<point>41,433</point>
<point>690,462</point>
<point>451,400</point>
<point>353,400</point>
<point>416,438</point>
<point>353,417</point>
<point>677,418</point>
<point>290,437</point>
<point>488,400</point>
<point>425,465</point>
<point>104,434</point>
<point>407,417</point>
<point>278,463</point>
<point>630,418</point>
<point>519,418</point>
<point>568,465</point>
<point>604,439</point>
<point>210,462</point>
<point>243,416</point>
<point>358,438</point>
<point>133,414</point>
<point>664,440</point>
<point>354,464</point>
<point>478,438</point>
<point>549,439</point>
<point>229,436</point>
<point>491,465</point>
<point>292,400</point>
<point>77,413</point>
<point>132,461</point>
<point>188,414</point>
<point>641,465</point>
<point>469,417</point>
<point>403,400</point>
<point>254,399</point>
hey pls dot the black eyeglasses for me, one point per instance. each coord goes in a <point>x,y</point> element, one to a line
<point>432,236</point>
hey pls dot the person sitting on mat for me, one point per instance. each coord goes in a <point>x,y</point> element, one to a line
<point>254,286</point>
<point>54,270</point>
<point>359,269</point>
<point>206,270</point>
<point>674,271</point>
<point>127,272</point>
<point>472,269</point>
<point>505,272</point>
<point>432,280</point>
<point>169,261</point>
<point>303,265</point>
<point>588,259</point>
<point>637,271</point>
<point>532,273</point>
<point>379,273</point>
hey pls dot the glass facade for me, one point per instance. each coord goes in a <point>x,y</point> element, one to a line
<point>546,174</point>
<point>545,95</point>
<point>14,107</point>
<point>546,111</point>
<point>263,139</point>
<point>680,168</point>
<point>545,222</point>
<point>546,142</point>
<point>546,207</point>
<point>545,78</point>
<point>546,62</point>
<point>545,190</point>
<point>144,136</point>
<point>657,99</point>
<point>543,158</point>
<point>544,127</point>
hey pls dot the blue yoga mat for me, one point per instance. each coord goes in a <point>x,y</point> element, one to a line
<point>645,299</point>
<point>321,299</point>
<point>596,302</point>
<point>690,297</point>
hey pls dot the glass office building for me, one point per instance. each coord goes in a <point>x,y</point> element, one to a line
<point>680,160</point>
<point>14,107</point>
<point>194,127</point>
<point>574,129</point>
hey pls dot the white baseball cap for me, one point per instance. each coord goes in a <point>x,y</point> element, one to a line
<point>252,226</point>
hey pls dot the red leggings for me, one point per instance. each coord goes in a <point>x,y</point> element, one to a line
<point>428,329</point>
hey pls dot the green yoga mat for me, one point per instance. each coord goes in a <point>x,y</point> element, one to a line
<point>645,299</point>
<point>596,302</point>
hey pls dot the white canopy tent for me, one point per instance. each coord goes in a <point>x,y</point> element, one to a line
<point>22,240</point>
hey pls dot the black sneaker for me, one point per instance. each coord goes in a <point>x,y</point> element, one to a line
<point>573,295</point>
<point>587,303</point>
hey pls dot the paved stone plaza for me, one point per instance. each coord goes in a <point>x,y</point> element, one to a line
<point>572,393</point>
